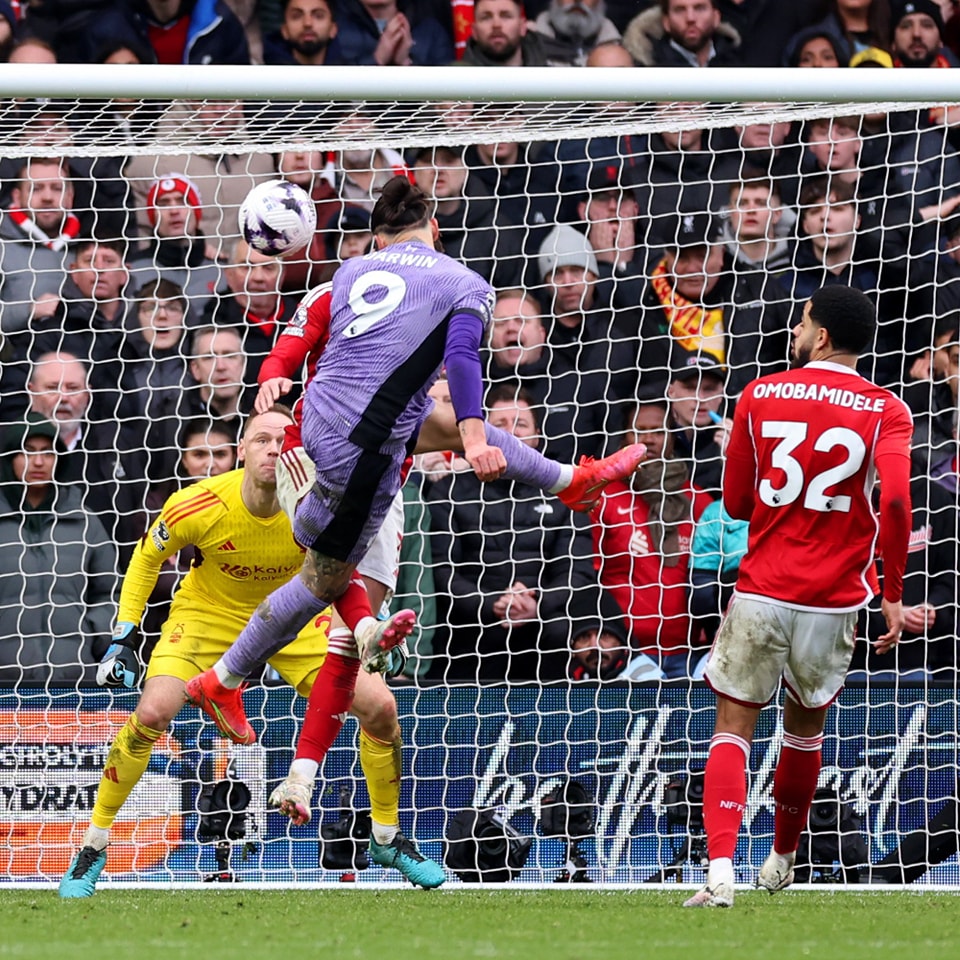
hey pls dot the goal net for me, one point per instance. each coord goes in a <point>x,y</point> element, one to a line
<point>651,237</point>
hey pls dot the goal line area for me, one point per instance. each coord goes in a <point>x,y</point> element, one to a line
<point>650,238</point>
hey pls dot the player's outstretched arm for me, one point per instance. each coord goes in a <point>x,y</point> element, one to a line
<point>488,462</point>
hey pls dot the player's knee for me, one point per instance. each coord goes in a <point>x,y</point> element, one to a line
<point>157,713</point>
<point>378,715</point>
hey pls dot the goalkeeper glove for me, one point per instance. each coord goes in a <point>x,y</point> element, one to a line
<point>120,665</point>
<point>398,659</point>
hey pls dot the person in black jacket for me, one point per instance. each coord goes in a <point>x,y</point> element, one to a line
<point>570,403</point>
<point>472,230</point>
<point>510,559</point>
<point>695,300</point>
<point>682,33</point>
<point>307,35</point>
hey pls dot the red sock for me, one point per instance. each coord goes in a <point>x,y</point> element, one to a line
<point>354,604</point>
<point>724,793</point>
<point>794,785</point>
<point>330,699</point>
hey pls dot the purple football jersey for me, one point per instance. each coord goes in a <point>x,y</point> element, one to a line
<point>390,311</point>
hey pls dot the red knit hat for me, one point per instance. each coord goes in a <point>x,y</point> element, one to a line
<point>172,183</point>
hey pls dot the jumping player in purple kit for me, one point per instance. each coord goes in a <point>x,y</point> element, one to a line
<point>398,316</point>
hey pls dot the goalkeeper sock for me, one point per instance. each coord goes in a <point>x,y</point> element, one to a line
<point>526,464</point>
<point>330,698</point>
<point>125,765</point>
<point>724,793</point>
<point>277,621</point>
<point>382,765</point>
<point>353,605</point>
<point>794,785</point>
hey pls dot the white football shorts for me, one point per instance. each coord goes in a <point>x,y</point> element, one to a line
<point>296,475</point>
<point>761,641</point>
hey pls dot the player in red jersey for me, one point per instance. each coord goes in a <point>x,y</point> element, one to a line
<point>804,453</point>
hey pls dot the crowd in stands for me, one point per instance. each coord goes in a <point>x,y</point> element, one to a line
<point>641,282</point>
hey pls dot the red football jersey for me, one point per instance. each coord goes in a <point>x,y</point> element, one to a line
<point>804,454</point>
<point>303,339</point>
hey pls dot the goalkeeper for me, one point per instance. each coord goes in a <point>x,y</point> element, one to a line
<point>248,550</point>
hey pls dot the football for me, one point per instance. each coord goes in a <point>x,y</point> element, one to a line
<point>276,217</point>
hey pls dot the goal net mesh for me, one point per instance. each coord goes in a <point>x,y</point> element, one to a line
<point>631,245</point>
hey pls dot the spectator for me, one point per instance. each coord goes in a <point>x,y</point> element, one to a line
<point>765,27</point>
<point>695,395</point>
<point>509,558</point>
<point>471,228</point>
<point>155,371</point>
<point>931,393</point>
<point>32,50</point>
<point>101,455</point>
<point>57,567</point>
<point>719,543</point>
<point>345,235</point>
<point>928,646</point>
<point>252,304</point>
<point>682,33</point>
<point>307,36</point>
<point>569,402</point>
<point>380,32</point>
<point>696,300</point>
<point>857,25</point>
<point>176,252</point>
<point>609,212</point>
<point>918,35</point>
<point>35,234</point>
<point>816,46</point>
<point>829,253</point>
<point>361,173</point>
<point>642,531</point>
<point>88,320</point>
<point>681,170</point>
<point>522,180</point>
<point>501,37</point>
<point>215,389</point>
<point>599,646</point>
<point>208,121</point>
<point>176,31</point>
<point>578,157</point>
<point>755,211</point>
<point>579,329</point>
<point>576,26</point>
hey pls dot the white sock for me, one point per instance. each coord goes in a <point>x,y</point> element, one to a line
<point>384,834</point>
<point>566,478</point>
<point>367,623</point>
<point>96,837</point>
<point>229,680</point>
<point>341,641</point>
<point>721,871</point>
<point>304,769</point>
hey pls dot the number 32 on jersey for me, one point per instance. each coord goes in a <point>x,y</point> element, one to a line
<point>814,487</point>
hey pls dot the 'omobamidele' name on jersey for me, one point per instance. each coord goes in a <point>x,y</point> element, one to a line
<point>242,559</point>
<point>801,464</point>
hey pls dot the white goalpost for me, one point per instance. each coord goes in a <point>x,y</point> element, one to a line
<point>533,169</point>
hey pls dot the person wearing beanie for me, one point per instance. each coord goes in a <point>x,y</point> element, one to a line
<point>346,234</point>
<point>56,563</point>
<point>176,252</point>
<point>918,35</point>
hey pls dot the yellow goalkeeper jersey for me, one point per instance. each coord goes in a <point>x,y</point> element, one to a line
<point>241,558</point>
